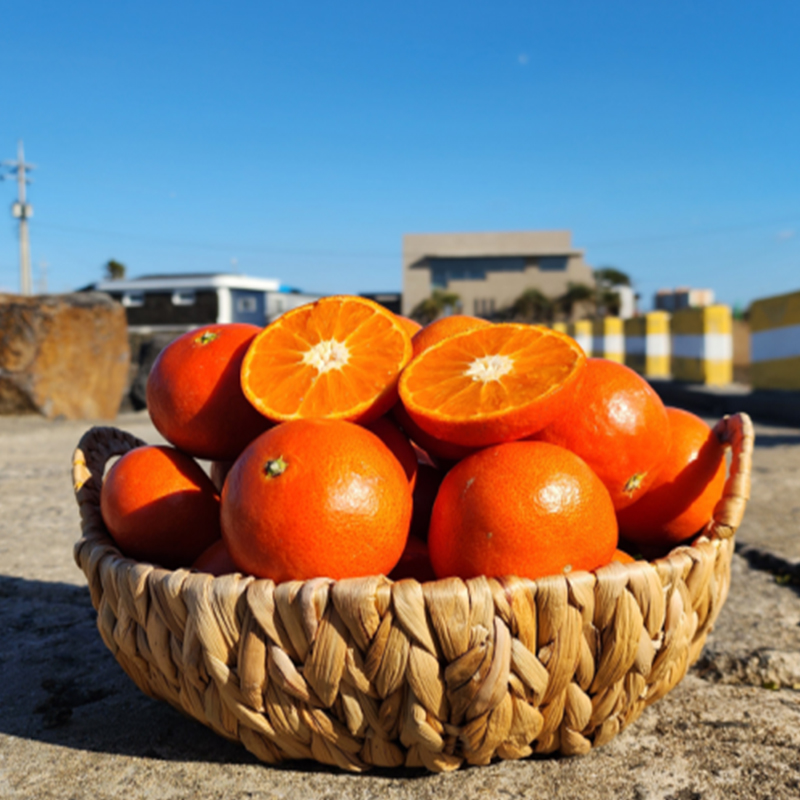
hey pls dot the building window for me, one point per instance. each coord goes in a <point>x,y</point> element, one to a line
<point>246,305</point>
<point>133,299</point>
<point>553,264</point>
<point>444,270</point>
<point>183,298</point>
<point>483,306</point>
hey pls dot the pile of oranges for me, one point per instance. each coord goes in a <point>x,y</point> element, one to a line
<point>343,440</point>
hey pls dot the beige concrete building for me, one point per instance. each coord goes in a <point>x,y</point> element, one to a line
<point>489,271</point>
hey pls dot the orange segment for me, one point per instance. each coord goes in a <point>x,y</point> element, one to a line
<point>336,358</point>
<point>492,384</point>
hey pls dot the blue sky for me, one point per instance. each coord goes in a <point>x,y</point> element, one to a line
<point>302,140</point>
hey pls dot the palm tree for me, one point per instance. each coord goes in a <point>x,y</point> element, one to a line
<point>533,306</point>
<point>432,307</point>
<point>115,270</point>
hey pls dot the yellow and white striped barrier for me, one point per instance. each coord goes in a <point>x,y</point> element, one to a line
<point>702,345</point>
<point>775,342</point>
<point>581,332</point>
<point>647,344</point>
<point>608,340</point>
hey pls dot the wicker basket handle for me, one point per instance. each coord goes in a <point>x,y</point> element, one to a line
<point>95,448</point>
<point>735,431</point>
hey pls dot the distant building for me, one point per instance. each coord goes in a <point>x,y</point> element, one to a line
<point>627,301</point>
<point>489,271</point>
<point>184,301</point>
<point>682,297</point>
<point>390,300</point>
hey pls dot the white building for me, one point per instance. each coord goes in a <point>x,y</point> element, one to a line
<point>627,301</point>
<point>184,301</point>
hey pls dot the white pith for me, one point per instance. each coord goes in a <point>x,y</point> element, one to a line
<point>327,355</point>
<point>489,368</point>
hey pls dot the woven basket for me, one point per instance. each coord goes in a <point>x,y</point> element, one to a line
<point>366,672</point>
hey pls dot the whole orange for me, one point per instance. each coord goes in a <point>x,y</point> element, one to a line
<point>622,557</point>
<point>429,479</point>
<point>215,560</point>
<point>411,325</point>
<point>312,498</point>
<point>614,420</point>
<point>388,432</point>
<point>414,563</point>
<point>432,445</point>
<point>218,472</point>
<point>688,486</point>
<point>159,506</point>
<point>194,396</point>
<point>521,508</point>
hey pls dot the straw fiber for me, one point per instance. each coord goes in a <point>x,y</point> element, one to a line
<point>366,672</point>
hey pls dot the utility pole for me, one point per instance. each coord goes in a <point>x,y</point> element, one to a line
<point>22,211</point>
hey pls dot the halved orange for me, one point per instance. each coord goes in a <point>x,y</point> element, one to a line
<point>443,328</point>
<point>336,358</point>
<point>492,384</point>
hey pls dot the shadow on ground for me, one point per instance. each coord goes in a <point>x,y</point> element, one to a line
<point>785,571</point>
<point>60,684</point>
<point>777,439</point>
<point>773,407</point>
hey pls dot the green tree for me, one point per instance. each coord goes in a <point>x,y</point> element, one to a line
<point>576,293</point>
<point>435,306</point>
<point>607,281</point>
<point>611,276</point>
<point>533,306</point>
<point>115,270</point>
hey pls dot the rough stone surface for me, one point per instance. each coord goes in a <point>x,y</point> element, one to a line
<point>63,356</point>
<point>72,725</point>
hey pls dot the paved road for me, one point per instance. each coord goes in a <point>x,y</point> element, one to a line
<point>73,726</point>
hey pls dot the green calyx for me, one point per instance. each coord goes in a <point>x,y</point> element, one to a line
<point>275,467</point>
<point>634,482</point>
<point>206,337</point>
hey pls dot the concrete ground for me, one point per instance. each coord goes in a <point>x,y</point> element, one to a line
<point>72,725</point>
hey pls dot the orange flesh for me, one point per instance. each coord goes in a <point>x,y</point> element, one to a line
<point>488,371</point>
<point>332,358</point>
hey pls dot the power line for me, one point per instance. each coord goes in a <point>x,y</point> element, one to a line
<point>326,253</point>
<point>669,237</point>
<point>219,246</point>
<point>43,265</point>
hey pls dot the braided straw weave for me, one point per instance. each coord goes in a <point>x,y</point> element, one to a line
<point>366,672</point>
